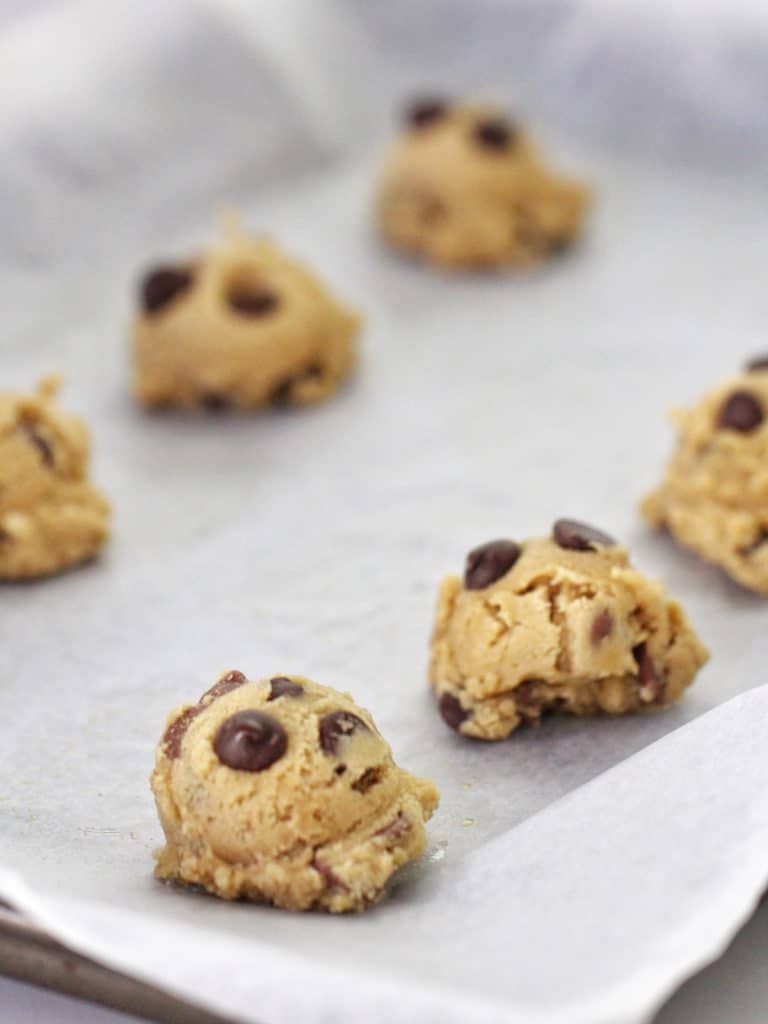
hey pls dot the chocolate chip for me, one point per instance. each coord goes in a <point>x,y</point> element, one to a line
<point>281,393</point>
<point>231,681</point>
<point>576,536</point>
<point>369,778</point>
<point>326,871</point>
<point>396,829</point>
<point>651,685</point>
<point>528,233</point>
<point>335,726</point>
<point>250,741</point>
<point>758,363</point>
<point>282,686</point>
<point>602,626</point>
<point>176,731</point>
<point>162,285</point>
<point>234,676</point>
<point>489,563</point>
<point>557,246</point>
<point>425,111</point>
<point>430,210</point>
<point>527,692</point>
<point>43,446</point>
<point>529,701</point>
<point>494,133</point>
<point>452,711</point>
<point>252,301</point>
<point>760,538</point>
<point>214,401</point>
<point>742,412</point>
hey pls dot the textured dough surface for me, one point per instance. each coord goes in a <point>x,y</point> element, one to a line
<point>713,497</point>
<point>561,631</point>
<point>198,350</point>
<point>313,830</point>
<point>51,517</point>
<point>461,204</point>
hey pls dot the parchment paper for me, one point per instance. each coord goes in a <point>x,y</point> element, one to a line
<point>313,541</point>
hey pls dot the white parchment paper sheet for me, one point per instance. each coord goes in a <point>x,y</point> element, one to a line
<point>553,921</point>
<point>312,542</point>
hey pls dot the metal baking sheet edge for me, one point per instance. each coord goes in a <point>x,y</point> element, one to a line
<point>30,955</point>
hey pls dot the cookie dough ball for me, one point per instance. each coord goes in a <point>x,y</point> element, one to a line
<point>562,623</point>
<point>240,326</point>
<point>284,791</point>
<point>714,495</point>
<point>51,517</point>
<point>465,187</point>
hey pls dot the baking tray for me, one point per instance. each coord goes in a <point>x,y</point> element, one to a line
<point>28,954</point>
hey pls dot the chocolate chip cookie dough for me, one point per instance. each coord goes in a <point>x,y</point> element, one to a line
<point>714,494</point>
<point>562,623</point>
<point>51,517</point>
<point>284,791</point>
<point>465,187</point>
<point>240,326</point>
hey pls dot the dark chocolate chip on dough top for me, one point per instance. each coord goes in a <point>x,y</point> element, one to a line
<point>250,741</point>
<point>495,134</point>
<point>337,726</point>
<point>741,411</point>
<point>489,562</point>
<point>162,285</point>
<point>577,536</point>
<point>425,111</point>
<point>282,686</point>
